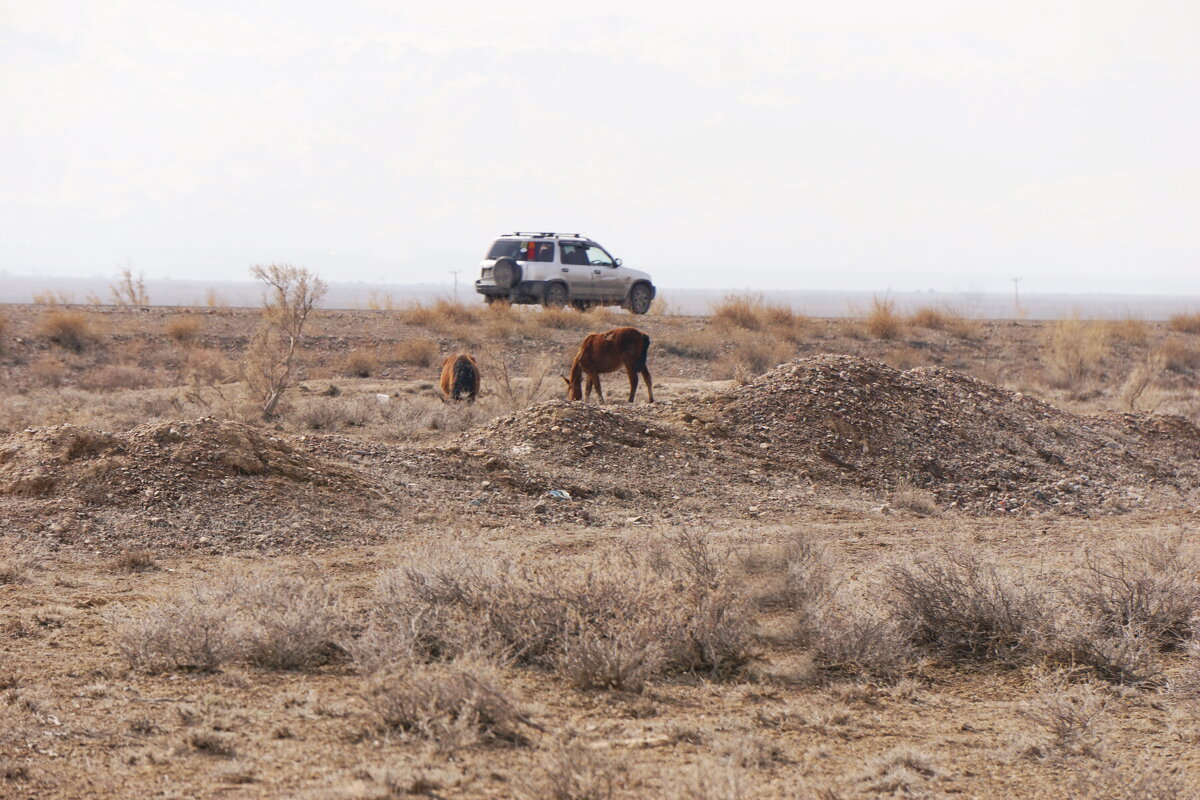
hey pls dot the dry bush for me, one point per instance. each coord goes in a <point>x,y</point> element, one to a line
<point>48,370</point>
<point>135,560</point>
<point>380,301</point>
<point>421,418</point>
<point>619,657</point>
<point>909,497</point>
<point>503,379</point>
<point>562,319</point>
<point>269,366</point>
<point>17,562</point>
<point>420,351</point>
<point>1069,715</point>
<point>709,780</point>
<point>1147,780</point>
<point>361,363</point>
<point>882,321</point>
<point>704,344</point>
<point>1131,331</point>
<point>738,311</point>
<point>129,291</point>
<point>214,299</point>
<point>1078,645</point>
<point>184,329</point>
<point>70,330</point>
<point>1150,588</point>
<point>899,772</point>
<point>1073,350</point>
<point>116,377</point>
<point>954,603</point>
<point>572,772</point>
<point>659,307</point>
<point>333,414</point>
<point>213,743</point>
<point>454,705</point>
<point>442,315</point>
<point>1140,379</point>
<point>191,631</point>
<point>849,641</point>
<point>53,297</point>
<point>752,355</point>
<point>930,318</point>
<point>1185,322</point>
<point>293,620</point>
<point>1179,355</point>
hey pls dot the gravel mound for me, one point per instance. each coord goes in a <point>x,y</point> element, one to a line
<point>975,446</point>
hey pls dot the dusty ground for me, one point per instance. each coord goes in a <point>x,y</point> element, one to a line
<point>134,470</point>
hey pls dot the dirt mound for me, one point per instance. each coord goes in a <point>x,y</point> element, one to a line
<point>974,445</point>
<point>172,484</point>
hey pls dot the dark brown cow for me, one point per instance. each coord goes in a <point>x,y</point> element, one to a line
<point>460,376</point>
<point>608,352</point>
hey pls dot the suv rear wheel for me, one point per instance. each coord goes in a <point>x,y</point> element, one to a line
<point>639,298</point>
<point>555,296</point>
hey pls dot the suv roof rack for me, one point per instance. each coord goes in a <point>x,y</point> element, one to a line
<point>547,234</point>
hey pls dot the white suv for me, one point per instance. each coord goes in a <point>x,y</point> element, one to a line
<point>559,268</point>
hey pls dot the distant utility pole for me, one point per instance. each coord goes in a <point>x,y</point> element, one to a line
<point>455,272</point>
<point>1016,296</point>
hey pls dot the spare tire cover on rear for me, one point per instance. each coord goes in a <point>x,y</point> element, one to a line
<point>506,273</point>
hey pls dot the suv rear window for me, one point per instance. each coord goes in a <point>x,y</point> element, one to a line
<point>522,250</point>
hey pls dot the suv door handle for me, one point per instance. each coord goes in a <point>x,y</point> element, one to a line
<point>564,269</point>
<point>595,272</point>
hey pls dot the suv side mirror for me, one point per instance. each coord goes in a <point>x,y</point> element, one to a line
<point>617,261</point>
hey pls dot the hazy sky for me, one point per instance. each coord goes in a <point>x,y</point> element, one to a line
<point>849,145</point>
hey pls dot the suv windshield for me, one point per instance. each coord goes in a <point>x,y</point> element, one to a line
<point>522,250</point>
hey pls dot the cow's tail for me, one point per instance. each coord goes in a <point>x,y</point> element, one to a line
<point>464,378</point>
<point>641,362</point>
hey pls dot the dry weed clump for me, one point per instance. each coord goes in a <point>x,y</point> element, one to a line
<point>16,563</point>
<point>738,311</point>
<point>1147,779</point>
<point>420,351</point>
<point>882,321</point>
<point>1071,715</point>
<point>930,318</point>
<point>184,329</point>
<point>361,363</point>
<point>1140,379</point>
<point>117,377</point>
<point>441,315</point>
<point>135,560</point>
<point>269,368</point>
<point>562,319</point>
<point>909,497</point>
<point>1073,352</point>
<point>899,773</point>
<point>333,414</point>
<point>1179,355</point>
<point>292,620</point>
<point>1130,331</point>
<point>1185,322</point>
<point>128,291</point>
<point>752,355</point>
<point>48,370</point>
<point>192,631</point>
<point>1150,588</point>
<point>572,772</point>
<point>70,330</point>
<point>453,705</point>
<point>703,345</point>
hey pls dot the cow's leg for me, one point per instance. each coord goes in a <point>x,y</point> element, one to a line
<point>649,385</point>
<point>599,391</point>
<point>633,382</point>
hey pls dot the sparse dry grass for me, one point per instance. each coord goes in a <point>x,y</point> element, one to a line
<point>184,329</point>
<point>1179,355</point>
<point>934,319</point>
<point>1074,350</point>
<point>117,377</point>
<point>736,314</point>
<point>882,321</point>
<point>1130,330</point>
<point>909,497</point>
<point>442,315</point>
<point>419,351</point>
<point>361,363</point>
<point>562,319</point>
<point>702,345</point>
<point>1185,322</point>
<point>1069,717</point>
<point>752,354</point>
<point>70,330</point>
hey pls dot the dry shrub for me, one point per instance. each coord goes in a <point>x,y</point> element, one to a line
<point>1185,322</point>
<point>930,318</point>
<point>1179,355</point>
<point>709,780</point>
<point>954,603</point>
<point>1069,715</point>
<point>293,620</point>
<point>562,319</point>
<point>516,389</point>
<point>48,370</point>
<point>420,351</point>
<point>135,560</point>
<point>602,623</point>
<point>17,562</point>
<point>849,641</point>
<point>422,417</point>
<point>752,355</point>
<point>1146,780</point>
<point>659,307</point>
<point>882,321</point>
<point>738,311</point>
<point>1141,378</point>
<point>191,631</point>
<point>184,329</point>
<point>899,772</point>
<point>70,330</point>
<point>213,743</point>
<point>129,291</point>
<point>442,315</point>
<point>572,772</point>
<point>380,301</point>
<point>1078,645</point>
<point>269,368</point>
<point>53,297</point>
<point>333,414</point>
<point>214,299</point>
<point>703,344</point>
<point>1150,588</point>
<point>1131,331</point>
<point>910,497</point>
<point>1073,351</point>
<point>454,705</point>
<point>115,377</point>
<point>361,363</point>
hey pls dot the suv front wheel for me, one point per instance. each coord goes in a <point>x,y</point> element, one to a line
<point>639,298</point>
<point>555,296</point>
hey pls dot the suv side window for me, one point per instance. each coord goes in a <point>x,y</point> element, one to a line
<point>574,254</point>
<point>522,250</point>
<point>598,258</point>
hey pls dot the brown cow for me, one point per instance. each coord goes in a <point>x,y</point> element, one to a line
<point>460,376</point>
<point>608,352</point>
